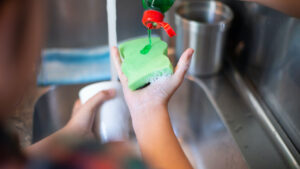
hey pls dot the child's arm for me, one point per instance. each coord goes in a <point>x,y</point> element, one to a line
<point>148,107</point>
<point>79,126</point>
<point>157,141</point>
<point>290,7</point>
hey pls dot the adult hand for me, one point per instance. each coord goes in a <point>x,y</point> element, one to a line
<point>289,7</point>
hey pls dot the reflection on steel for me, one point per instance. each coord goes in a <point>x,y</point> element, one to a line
<point>269,56</point>
<point>262,114</point>
<point>203,26</point>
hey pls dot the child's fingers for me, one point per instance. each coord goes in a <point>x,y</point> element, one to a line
<point>83,118</point>
<point>76,107</point>
<point>183,65</point>
<point>118,63</point>
<point>89,107</point>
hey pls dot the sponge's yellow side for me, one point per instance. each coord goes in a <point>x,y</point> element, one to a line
<point>139,68</point>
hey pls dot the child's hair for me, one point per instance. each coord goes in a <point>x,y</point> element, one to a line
<point>22,8</point>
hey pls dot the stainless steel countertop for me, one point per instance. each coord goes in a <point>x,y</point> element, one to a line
<point>257,142</point>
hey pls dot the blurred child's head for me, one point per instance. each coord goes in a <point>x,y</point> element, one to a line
<point>21,30</point>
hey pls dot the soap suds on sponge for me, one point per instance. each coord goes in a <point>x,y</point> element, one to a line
<point>141,69</point>
<point>160,76</point>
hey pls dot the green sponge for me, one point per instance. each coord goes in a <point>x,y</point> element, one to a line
<point>141,69</point>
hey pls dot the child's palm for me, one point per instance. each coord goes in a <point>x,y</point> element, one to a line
<point>157,93</point>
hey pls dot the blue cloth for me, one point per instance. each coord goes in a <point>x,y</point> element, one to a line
<point>74,66</point>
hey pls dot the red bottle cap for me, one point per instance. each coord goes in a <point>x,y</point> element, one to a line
<point>154,20</point>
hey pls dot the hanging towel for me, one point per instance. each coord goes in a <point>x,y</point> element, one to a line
<point>74,66</point>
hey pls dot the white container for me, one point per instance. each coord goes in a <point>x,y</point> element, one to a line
<point>112,119</point>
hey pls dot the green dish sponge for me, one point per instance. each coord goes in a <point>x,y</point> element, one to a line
<point>141,69</point>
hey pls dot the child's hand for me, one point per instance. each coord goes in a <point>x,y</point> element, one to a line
<point>157,94</point>
<point>79,126</point>
<point>83,115</point>
<point>150,118</point>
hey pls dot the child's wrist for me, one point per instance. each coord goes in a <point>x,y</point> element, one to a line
<point>149,108</point>
<point>149,114</point>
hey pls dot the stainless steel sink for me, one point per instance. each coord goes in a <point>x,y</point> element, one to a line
<point>219,121</point>
<point>200,130</point>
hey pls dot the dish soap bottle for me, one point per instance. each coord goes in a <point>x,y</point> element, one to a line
<point>153,19</point>
<point>154,15</point>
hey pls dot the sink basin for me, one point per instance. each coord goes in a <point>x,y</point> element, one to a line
<point>196,123</point>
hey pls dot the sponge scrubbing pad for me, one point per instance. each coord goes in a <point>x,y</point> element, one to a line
<point>141,69</point>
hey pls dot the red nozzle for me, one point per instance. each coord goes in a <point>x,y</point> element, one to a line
<point>154,20</point>
<point>170,31</point>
